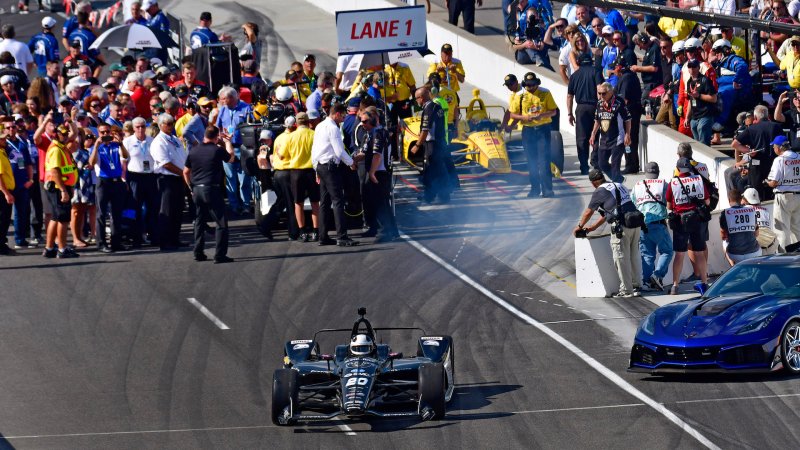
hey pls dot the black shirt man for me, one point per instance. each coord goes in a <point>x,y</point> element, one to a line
<point>203,171</point>
<point>582,89</point>
<point>630,90</point>
<point>758,137</point>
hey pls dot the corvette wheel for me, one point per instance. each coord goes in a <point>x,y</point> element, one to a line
<point>790,347</point>
<point>284,396</point>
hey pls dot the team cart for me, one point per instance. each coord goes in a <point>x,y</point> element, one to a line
<point>363,377</point>
<point>479,144</point>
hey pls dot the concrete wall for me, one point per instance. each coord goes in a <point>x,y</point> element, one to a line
<point>484,68</point>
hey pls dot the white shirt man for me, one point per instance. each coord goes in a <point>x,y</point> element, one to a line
<point>166,148</point>
<point>328,145</point>
<point>784,178</point>
<point>23,60</point>
<point>140,159</point>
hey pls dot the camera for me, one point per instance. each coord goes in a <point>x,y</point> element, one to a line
<point>58,118</point>
<point>50,186</point>
<point>581,233</point>
<point>533,32</point>
<point>107,138</point>
<point>616,228</point>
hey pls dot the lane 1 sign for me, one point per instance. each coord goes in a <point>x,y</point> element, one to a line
<point>381,30</point>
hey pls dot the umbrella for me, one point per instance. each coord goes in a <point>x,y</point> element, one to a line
<point>133,36</point>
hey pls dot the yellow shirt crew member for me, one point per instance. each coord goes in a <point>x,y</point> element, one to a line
<point>298,148</point>
<point>280,160</point>
<point>791,64</point>
<point>6,174</point>
<point>449,69</point>
<point>534,106</point>
<point>57,157</point>
<point>676,29</point>
<point>399,82</point>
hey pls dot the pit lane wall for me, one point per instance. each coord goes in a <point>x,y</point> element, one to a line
<point>483,67</point>
<point>595,275</point>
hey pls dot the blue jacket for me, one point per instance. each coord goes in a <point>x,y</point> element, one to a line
<point>159,22</point>
<point>70,25</point>
<point>202,36</point>
<point>86,38</point>
<point>741,73</point>
<point>44,48</point>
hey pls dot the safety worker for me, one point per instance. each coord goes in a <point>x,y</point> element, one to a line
<point>448,100</point>
<point>400,85</point>
<point>738,229</point>
<point>60,179</point>
<point>612,201</point>
<point>450,69</point>
<point>44,46</point>
<point>297,151</point>
<point>767,239</point>
<point>784,178</point>
<point>535,108</point>
<point>432,141</point>
<point>582,89</point>
<point>649,197</point>
<point>514,88</point>
<point>7,186</point>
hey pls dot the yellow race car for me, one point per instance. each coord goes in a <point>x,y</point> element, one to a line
<point>479,143</point>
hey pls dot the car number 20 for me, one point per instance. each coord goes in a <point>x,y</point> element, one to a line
<point>360,381</point>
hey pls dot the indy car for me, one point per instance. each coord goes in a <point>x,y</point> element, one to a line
<point>747,321</point>
<point>478,142</point>
<point>363,378</point>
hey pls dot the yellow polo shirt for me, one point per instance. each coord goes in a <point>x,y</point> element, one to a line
<point>298,148</point>
<point>450,97</point>
<point>792,68</point>
<point>180,124</point>
<point>677,29</point>
<point>278,147</point>
<point>541,101</point>
<point>441,69</point>
<point>6,172</point>
<point>399,80</point>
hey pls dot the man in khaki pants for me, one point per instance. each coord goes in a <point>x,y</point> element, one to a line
<point>784,178</point>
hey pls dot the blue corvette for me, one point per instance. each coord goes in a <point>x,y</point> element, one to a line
<point>748,321</point>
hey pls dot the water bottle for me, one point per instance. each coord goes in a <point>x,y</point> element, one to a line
<point>627,149</point>
<point>648,110</point>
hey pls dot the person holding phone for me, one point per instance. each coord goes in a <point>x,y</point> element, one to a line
<point>107,156</point>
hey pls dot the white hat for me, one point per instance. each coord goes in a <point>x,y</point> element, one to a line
<point>313,114</point>
<point>289,122</point>
<point>677,47</point>
<point>146,4</point>
<point>265,134</point>
<point>79,82</point>
<point>148,74</point>
<point>751,195</point>
<point>164,95</point>
<point>608,29</point>
<point>6,79</point>
<point>48,22</point>
<point>156,62</point>
<point>692,43</point>
<point>719,43</point>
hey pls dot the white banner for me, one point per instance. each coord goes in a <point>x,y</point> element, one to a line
<point>381,30</point>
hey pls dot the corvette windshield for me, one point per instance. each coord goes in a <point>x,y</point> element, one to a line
<point>755,279</point>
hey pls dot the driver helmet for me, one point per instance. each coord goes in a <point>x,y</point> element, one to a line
<point>283,93</point>
<point>692,43</point>
<point>361,345</point>
<point>719,44</point>
<point>678,47</point>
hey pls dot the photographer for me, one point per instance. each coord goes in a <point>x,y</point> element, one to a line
<point>613,202</point>
<point>107,156</point>
<point>529,46</point>
<point>687,201</point>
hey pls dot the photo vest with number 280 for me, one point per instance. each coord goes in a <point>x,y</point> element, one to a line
<point>741,219</point>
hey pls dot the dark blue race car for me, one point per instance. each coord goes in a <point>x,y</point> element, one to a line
<point>747,321</point>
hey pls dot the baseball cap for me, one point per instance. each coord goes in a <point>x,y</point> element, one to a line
<point>81,114</point>
<point>265,134</point>
<point>447,48</point>
<point>779,140</point>
<point>117,66</point>
<point>62,128</point>
<point>301,117</point>
<point>205,15</point>
<point>162,71</point>
<point>608,29</point>
<point>182,90</point>
<point>530,79</point>
<point>6,79</point>
<point>693,63</point>
<point>156,62</point>
<point>684,165</point>
<point>313,114</point>
<point>148,74</point>
<point>79,82</point>
<point>651,170</point>
<point>164,95</point>
<point>596,175</point>
<point>354,102</point>
<point>510,80</point>
<point>752,197</point>
<point>48,22</point>
<point>109,85</point>
<point>75,44</point>
<point>204,101</point>
<point>289,121</point>
<point>309,56</point>
<point>146,4</point>
<point>291,73</point>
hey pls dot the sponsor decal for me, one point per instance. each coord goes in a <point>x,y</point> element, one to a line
<point>301,341</point>
<point>432,338</point>
<point>299,346</point>
<point>430,342</point>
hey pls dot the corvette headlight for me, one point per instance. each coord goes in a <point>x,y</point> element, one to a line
<point>757,325</point>
<point>649,324</point>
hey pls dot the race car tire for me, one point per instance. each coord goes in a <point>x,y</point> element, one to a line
<point>432,389</point>
<point>790,332</point>
<point>284,394</point>
<point>248,161</point>
<point>557,150</point>
<point>260,218</point>
<point>450,370</point>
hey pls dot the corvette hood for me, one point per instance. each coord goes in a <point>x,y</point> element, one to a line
<point>704,318</point>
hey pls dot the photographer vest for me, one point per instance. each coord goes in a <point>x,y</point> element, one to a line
<point>656,186</point>
<point>741,219</point>
<point>693,185</point>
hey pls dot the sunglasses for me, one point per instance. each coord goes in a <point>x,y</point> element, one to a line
<point>795,44</point>
<point>95,105</point>
<point>597,26</point>
<point>103,132</point>
<point>617,40</point>
<point>560,27</point>
<point>664,47</point>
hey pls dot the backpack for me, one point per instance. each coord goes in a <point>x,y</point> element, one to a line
<point>631,219</point>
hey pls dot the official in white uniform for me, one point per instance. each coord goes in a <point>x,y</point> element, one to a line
<point>141,180</point>
<point>784,178</point>
<point>169,159</point>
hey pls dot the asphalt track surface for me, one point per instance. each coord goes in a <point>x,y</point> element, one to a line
<point>106,351</point>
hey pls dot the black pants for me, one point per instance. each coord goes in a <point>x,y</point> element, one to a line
<point>110,200</point>
<point>377,197</point>
<point>283,190</point>
<point>331,193</point>
<point>632,158</point>
<point>208,202</point>
<point>37,212</point>
<point>584,121</point>
<point>466,7</point>
<point>610,160</point>
<point>5,220</point>
<point>145,194</point>
<point>435,176</point>
<point>400,109</point>
<point>354,193</point>
<point>171,189</point>
<point>536,143</point>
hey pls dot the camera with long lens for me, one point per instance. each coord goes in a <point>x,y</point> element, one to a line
<point>616,228</point>
<point>533,32</point>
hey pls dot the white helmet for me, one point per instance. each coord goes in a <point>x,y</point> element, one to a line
<point>361,345</point>
<point>678,47</point>
<point>720,43</point>
<point>283,93</point>
<point>692,43</point>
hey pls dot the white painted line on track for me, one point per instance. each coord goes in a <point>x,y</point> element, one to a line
<point>589,320</point>
<point>582,408</point>
<point>112,433</point>
<point>732,399</point>
<point>208,313</point>
<point>572,348</point>
<point>344,427</point>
